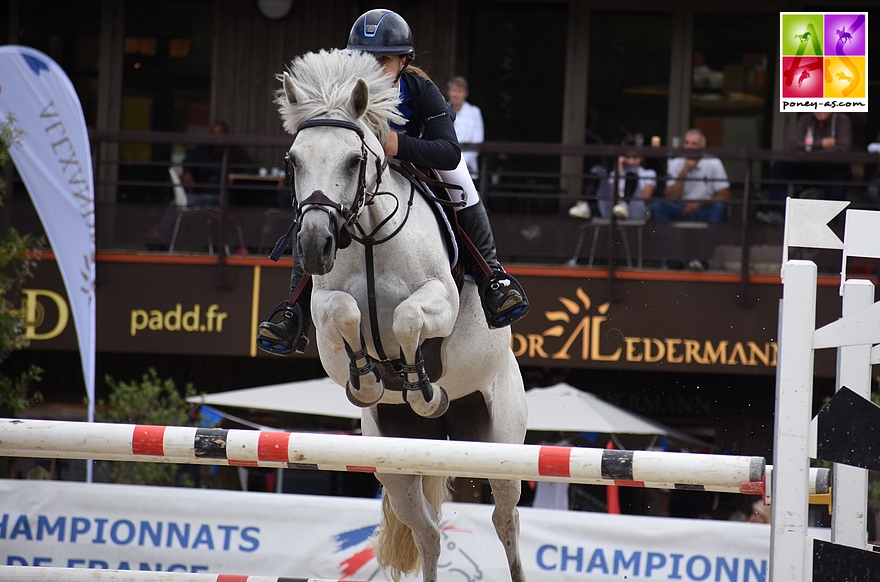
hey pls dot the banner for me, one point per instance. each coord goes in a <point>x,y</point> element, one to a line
<point>64,524</point>
<point>55,163</point>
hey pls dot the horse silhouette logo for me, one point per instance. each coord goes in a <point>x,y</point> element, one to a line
<point>843,36</point>
<point>804,76</point>
<point>358,555</point>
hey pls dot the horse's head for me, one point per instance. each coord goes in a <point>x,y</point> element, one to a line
<point>337,106</point>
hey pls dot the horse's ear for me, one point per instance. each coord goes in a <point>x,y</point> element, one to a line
<point>360,97</point>
<point>293,94</point>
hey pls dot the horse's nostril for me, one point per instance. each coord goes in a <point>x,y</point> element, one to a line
<point>328,246</point>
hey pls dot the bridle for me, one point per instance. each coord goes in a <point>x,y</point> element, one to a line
<point>317,200</point>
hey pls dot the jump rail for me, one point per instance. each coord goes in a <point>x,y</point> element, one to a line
<point>32,574</point>
<point>121,442</point>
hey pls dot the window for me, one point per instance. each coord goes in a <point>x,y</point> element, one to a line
<point>734,62</point>
<point>166,85</point>
<point>69,32</point>
<point>628,75</point>
<point>516,73</point>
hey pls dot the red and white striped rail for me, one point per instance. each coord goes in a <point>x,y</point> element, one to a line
<point>121,442</point>
<point>32,574</point>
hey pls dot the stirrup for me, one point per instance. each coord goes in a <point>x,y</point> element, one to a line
<point>285,347</point>
<point>510,314</point>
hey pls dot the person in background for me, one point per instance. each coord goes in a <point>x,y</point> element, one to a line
<point>201,178</point>
<point>874,184</point>
<point>817,132</point>
<point>697,190</point>
<point>760,513</point>
<point>596,180</point>
<point>468,121</point>
<point>202,172</point>
<point>635,186</point>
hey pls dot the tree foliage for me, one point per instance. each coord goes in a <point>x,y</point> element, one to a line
<point>150,401</point>
<point>18,258</point>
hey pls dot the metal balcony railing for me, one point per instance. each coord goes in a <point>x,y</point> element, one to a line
<point>521,183</point>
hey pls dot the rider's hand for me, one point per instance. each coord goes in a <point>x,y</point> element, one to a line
<point>390,145</point>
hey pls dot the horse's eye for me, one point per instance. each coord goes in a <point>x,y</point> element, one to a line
<point>355,163</point>
<point>289,165</point>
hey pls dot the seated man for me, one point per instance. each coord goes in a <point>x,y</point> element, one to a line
<point>696,189</point>
<point>202,177</point>
<point>203,172</point>
<point>819,131</point>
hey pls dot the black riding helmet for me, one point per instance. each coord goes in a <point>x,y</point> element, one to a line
<point>381,32</point>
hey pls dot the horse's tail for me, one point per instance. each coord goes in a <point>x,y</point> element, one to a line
<point>395,547</point>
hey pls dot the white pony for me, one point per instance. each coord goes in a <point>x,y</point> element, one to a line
<point>375,301</point>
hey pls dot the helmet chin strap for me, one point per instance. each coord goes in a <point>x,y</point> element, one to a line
<point>400,74</point>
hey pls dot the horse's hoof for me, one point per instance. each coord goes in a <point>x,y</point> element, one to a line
<point>434,409</point>
<point>353,397</point>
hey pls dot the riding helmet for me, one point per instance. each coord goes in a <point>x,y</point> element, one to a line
<point>381,32</point>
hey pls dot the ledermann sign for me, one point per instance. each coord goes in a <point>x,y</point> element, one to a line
<point>658,325</point>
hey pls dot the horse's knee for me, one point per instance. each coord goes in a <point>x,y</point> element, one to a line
<point>407,322</point>
<point>343,308</point>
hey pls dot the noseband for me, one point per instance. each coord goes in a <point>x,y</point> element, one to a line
<point>317,200</point>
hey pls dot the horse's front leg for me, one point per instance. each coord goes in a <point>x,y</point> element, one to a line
<point>429,312</point>
<point>337,315</point>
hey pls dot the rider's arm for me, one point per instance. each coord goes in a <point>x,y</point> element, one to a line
<point>438,145</point>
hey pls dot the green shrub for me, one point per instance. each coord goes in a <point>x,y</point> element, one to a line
<point>151,401</point>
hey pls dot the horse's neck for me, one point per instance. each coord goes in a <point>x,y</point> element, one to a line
<point>393,201</point>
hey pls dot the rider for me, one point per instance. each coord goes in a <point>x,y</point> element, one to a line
<point>427,139</point>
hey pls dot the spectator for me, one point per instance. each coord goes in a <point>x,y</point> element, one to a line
<point>874,184</point>
<point>635,185</point>
<point>696,190</point>
<point>202,174</point>
<point>468,121</point>
<point>819,131</point>
<point>201,177</point>
<point>760,513</point>
<point>596,183</point>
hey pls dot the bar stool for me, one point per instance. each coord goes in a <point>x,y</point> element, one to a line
<point>597,224</point>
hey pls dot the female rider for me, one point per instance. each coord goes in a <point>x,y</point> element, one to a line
<point>427,139</point>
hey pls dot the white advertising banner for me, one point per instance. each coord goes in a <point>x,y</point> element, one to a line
<point>55,163</point>
<point>62,524</point>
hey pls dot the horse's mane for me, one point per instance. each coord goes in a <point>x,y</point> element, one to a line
<point>326,80</point>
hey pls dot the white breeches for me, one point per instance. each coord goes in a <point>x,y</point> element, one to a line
<point>461,176</point>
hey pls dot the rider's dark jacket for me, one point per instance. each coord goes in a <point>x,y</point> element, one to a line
<point>428,138</point>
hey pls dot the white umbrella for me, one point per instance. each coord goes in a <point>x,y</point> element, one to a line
<point>564,408</point>
<point>559,408</point>
<point>322,396</point>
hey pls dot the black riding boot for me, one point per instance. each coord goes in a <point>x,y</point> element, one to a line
<point>291,334</point>
<point>504,300</point>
